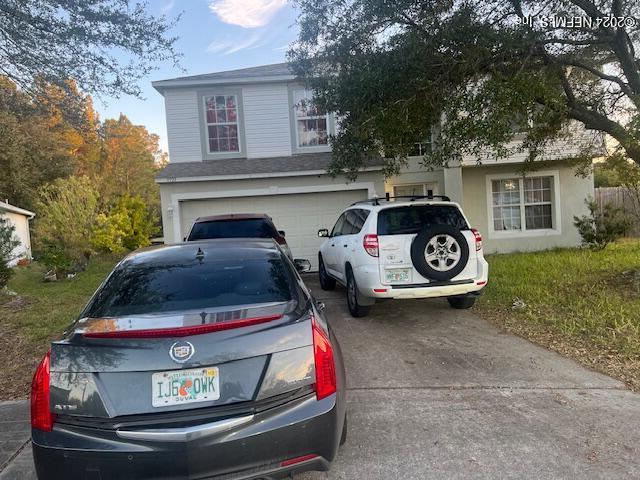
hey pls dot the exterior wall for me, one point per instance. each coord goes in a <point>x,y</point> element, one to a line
<point>266,120</point>
<point>183,125</point>
<point>414,173</point>
<point>22,233</point>
<point>171,194</point>
<point>572,192</point>
<point>577,139</point>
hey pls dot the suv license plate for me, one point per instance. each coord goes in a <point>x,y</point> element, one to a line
<point>397,275</point>
<point>177,387</point>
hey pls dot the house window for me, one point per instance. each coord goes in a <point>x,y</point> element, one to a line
<point>312,124</point>
<point>522,204</point>
<point>221,117</point>
<point>426,189</point>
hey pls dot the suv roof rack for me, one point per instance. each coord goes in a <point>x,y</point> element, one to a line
<point>376,200</point>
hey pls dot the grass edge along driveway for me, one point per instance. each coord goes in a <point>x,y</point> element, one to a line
<point>581,303</point>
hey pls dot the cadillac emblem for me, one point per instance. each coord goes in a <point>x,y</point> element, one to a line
<point>181,351</point>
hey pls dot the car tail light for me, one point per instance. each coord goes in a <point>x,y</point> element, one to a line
<point>41,416</point>
<point>370,244</point>
<point>183,331</point>
<point>325,366</point>
<point>478,237</point>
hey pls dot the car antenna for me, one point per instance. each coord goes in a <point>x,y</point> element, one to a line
<point>200,255</point>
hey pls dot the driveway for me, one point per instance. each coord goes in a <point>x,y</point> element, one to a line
<point>439,393</point>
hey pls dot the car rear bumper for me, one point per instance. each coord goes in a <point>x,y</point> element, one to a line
<point>305,435</point>
<point>368,281</point>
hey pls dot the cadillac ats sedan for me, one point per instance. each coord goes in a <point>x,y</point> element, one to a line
<point>200,360</point>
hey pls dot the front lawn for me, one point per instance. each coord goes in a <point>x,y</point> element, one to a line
<point>581,303</point>
<point>39,314</point>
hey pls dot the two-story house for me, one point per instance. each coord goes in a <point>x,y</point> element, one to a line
<point>245,141</point>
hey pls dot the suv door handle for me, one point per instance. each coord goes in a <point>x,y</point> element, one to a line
<point>345,246</point>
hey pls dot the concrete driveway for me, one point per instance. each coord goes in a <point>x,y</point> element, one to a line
<point>439,393</point>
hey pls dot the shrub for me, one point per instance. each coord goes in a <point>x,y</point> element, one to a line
<point>601,227</point>
<point>8,242</point>
<point>127,226</point>
<point>67,211</point>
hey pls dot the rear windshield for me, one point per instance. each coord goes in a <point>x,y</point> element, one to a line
<point>246,228</point>
<point>156,288</point>
<point>412,219</point>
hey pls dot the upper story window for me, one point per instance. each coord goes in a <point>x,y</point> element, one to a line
<point>312,124</point>
<point>221,116</point>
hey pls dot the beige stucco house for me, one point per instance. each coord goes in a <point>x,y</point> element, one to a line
<point>242,141</point>
<point>19,218</point>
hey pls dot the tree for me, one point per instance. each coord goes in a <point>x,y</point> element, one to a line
<point>127,226</point>
<point>106,46</point>
<point>63,229</point>
<point>493,69</point>
<point>8,243</point>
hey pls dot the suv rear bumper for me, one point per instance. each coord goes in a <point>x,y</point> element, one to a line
<point>308,430</point>
<point>368,281</point>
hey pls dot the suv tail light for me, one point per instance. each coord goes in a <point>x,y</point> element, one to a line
<point>476,234</point>
<point>325,366</point>
<point>41,416</point>
<point>370,243</point>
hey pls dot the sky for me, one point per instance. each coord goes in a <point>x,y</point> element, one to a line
<point>214,35</point>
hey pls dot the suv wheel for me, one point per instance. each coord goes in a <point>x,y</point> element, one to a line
<point>439,252</point>
<point>462,303</point>
<point>326,282</point>
<point>355,308</point>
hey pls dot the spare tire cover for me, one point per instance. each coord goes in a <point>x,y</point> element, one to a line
<point>439,252</point>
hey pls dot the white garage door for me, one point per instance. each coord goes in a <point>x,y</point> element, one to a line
<point>299,215</point>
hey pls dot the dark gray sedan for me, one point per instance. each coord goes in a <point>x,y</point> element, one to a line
<point>199,360</point>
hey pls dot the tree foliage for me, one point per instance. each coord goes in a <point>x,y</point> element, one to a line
<point>494,70</point>
<point>106,46</point>
<point>127,226</point>
<point>67,211</point>
<point>8,243</point>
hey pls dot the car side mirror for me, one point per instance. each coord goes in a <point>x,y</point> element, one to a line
<point>302,265</point>
<point>184,239</point>
<point>323,232</point>
<point>281,232</point>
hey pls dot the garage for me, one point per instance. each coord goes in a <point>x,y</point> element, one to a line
<point>300,215</point>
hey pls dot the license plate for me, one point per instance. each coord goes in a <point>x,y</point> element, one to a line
<point>177,387</point>
<point>397,275</point>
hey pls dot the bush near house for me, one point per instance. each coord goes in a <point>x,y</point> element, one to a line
<point>602,226</point>
<point>582,303</point>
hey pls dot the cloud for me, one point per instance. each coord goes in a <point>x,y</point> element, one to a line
<point>246,13</point>
<point>228,46</point>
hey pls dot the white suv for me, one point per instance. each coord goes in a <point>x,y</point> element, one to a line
<point>403,247</point>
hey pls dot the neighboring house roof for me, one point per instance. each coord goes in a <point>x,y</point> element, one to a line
<point>264,73</point>
<point>6,207</point>
<point>308,163</point>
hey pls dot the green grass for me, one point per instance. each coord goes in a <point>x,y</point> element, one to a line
<point>50,307</point>
<point>584,298</point>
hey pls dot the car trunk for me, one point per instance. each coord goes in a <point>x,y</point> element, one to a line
<point>397,229</point>
<point>396,267</point>
<point>135,365</point>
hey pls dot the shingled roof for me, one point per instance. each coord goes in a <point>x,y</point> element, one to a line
<point>273,72</point>
<point>254,167</point>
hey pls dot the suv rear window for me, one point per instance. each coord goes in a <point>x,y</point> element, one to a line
<point>241,228</point>
<point>161,287</point>
<point>413,218</point>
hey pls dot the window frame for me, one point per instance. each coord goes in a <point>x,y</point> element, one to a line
<point>556,219</point>
<point>293,121</point>
<point>425,187</point>
<point>204,133</point>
